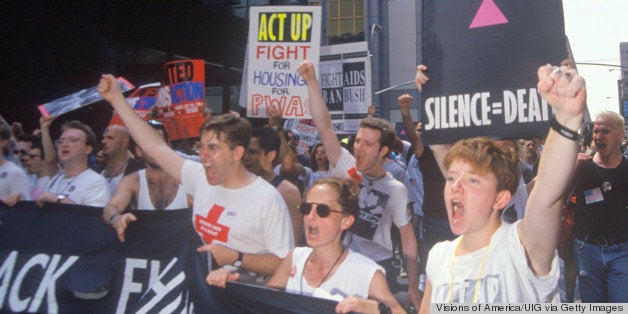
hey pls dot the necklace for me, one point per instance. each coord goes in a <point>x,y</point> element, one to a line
<point>370,181</point>
<point>327,274</point>
<point>114,174</point>
<point>451,273</point>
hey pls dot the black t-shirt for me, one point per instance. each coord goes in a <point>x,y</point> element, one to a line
<point>602,201</point>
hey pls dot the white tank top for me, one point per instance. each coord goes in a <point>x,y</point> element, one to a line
<point>353,277</point>
<point>143,199</point>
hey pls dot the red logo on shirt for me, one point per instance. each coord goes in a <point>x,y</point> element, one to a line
<point>209,227</point>
<point>355,176</point>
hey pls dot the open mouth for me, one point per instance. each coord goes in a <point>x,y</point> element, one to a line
<point>312,231</point>
<point>457,210</point>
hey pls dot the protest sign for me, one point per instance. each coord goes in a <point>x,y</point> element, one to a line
<point>305,130</point>
<point>141,100</point>
<point>482,57</point>
<point>345,79</point>
<point>77,100</point>
<point>280,37</point>
<point>182,98</point>
<point>65,259</point>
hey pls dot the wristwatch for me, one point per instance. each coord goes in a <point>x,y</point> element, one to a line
<point>383,308</point>
<point>113,219</point>
<point>61,197</point>
<point>565,132</point>
<point>238,262</point>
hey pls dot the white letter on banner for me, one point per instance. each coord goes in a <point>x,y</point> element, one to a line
<point>430,115</point>
<point>15,303</point>
<point>510,107</point>
<point>522,105</point>
<point>49,283</point>
<point>6,271</point>
<point>128,286</point>
<point>162,290</point>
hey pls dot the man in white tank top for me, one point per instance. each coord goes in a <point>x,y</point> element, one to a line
<point>152,188</point>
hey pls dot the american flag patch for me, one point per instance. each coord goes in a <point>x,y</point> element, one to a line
<point>593,196</point>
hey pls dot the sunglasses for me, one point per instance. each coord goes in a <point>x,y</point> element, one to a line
<point>322,210</point>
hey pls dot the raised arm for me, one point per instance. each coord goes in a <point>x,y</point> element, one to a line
<point>50,154</point>
<point>409,127</point>
<point>112,213</point>
<point>285,157</point>
<point>320,113</point>
<point>146,137</point>
<point>565,91</point>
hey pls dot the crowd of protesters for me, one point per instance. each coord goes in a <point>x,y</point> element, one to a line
<point>474,221</point>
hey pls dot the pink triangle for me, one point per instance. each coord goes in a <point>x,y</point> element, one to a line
<point>488,14</point>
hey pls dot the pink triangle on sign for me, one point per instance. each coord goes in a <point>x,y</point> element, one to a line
<point>488,14</point>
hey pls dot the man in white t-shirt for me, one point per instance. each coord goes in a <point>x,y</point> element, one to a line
<point>383,200</point>
<point>242,218</point>
<point>37,166</point>
<point>14,184</point>
<point>263,149</point>
<point>493,261</point>
<point>76,183</point>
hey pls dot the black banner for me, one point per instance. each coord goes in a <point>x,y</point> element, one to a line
<point>65,259</point>
<point>483,57</point>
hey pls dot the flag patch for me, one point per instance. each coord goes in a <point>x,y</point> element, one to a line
<point>593,196</point>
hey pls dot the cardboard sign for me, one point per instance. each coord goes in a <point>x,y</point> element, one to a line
<point>279,39</point>
<point>483,57</point>
<point>182,98</point>
<point>141,100</point>
<point>77,100</point>
<point>345,79</point>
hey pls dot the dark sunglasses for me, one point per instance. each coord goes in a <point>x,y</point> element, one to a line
<point>20,152</point>
<point>322,210</point>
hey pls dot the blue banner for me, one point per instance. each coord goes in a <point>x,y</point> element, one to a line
<point>65,259</point>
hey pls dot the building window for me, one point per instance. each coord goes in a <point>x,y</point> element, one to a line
<point>346,21</point>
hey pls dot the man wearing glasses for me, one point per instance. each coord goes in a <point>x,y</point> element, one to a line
<point>14,184</point>
<point>76,183</point>
<point>36,166</point>
<point>242,219</point>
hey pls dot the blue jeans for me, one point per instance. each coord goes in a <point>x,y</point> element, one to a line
<point>602,272</point>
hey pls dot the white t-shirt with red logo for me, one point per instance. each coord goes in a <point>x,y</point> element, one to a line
<point>253,219</point>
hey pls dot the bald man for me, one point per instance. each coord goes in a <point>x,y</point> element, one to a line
<point>115,148</point>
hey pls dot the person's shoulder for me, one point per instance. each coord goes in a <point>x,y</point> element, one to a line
<point>287,187</point>
<point>356,258</point>
<point>390,180</point>
<point>11,167</point>
<point>132,178</point>
<point>444,247</point>
<point>95,176</point>
<point>259,185</point>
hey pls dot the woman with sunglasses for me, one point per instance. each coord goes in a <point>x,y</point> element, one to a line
<point>326,267</point>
